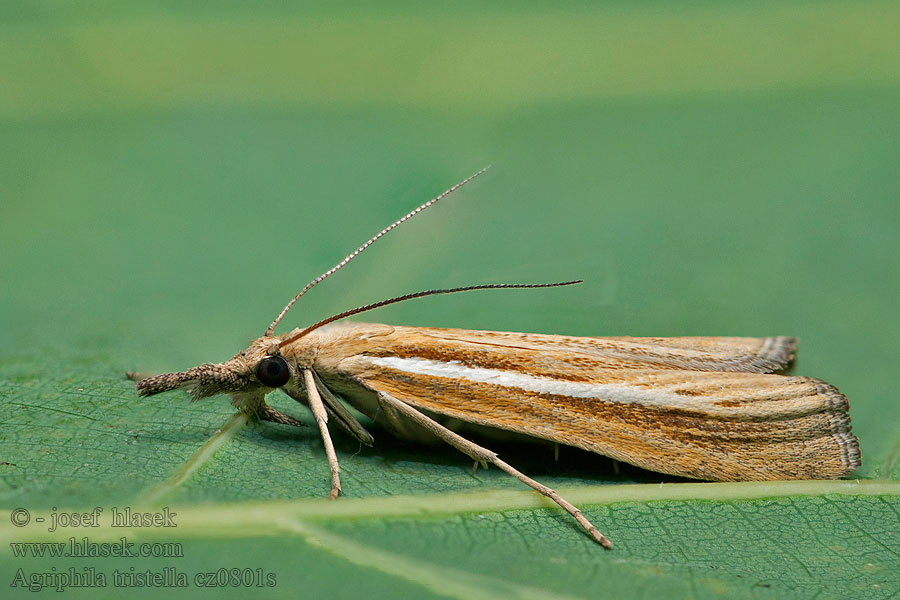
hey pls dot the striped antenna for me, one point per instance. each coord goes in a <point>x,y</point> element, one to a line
<point>405,297</point>
<point>271,330</point>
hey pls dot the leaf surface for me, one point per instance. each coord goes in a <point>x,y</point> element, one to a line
<point>174,172</point>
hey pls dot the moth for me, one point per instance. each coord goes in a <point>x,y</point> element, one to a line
<point>712,408</point>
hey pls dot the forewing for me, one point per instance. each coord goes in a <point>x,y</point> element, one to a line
<point>628,398</point>
<point>730,354</point>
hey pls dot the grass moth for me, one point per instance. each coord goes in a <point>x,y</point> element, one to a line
<point>712,408</point>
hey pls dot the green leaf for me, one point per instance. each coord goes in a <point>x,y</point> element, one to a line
<point>449,534</point>
<point>173,173</point>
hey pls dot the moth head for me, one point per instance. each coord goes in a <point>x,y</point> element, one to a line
<point>247,376</point>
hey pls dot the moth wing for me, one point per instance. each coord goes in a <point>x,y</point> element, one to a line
<point>732,354</point>
<point>714,426</point>
<point>625,398</point>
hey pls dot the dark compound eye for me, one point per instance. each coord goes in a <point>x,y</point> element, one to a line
<point>273,371</point>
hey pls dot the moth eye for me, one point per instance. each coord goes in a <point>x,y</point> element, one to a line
<point>273,371</point>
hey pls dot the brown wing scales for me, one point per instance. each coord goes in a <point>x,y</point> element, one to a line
<point>697,407</point>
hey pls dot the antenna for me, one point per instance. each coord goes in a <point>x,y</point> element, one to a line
<point>271,330</point>
<point>374,305</point>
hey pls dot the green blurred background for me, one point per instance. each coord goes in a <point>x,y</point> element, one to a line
<point>172,173</point>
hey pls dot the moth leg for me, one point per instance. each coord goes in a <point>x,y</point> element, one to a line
<point>395,418</point>
<point>318,411</point>
<point>267,413</point>
<point>480,454</point>
<point>343,419</point>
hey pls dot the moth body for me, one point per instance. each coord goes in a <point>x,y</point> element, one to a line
<point>705,408</point>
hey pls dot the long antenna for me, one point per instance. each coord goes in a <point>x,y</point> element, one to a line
<point>374,305</point>
<point>354,254</point>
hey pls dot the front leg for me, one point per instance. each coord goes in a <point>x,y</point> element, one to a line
<point>318,411</point>
<point>267,413</point>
